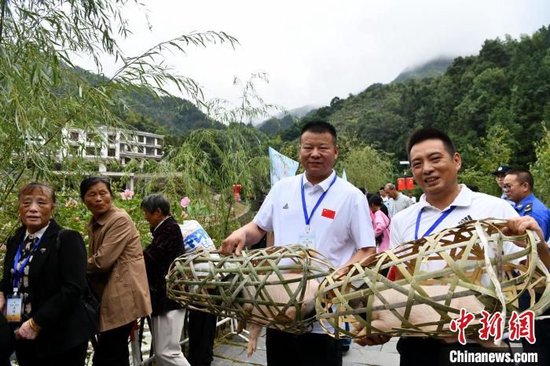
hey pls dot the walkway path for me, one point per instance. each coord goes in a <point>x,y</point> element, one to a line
<point>231,351</point>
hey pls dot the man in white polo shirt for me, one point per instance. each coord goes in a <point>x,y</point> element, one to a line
<point>445,203</point>
<point>321,211</point>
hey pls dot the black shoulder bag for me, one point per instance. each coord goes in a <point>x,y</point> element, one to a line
<point>89,301</point>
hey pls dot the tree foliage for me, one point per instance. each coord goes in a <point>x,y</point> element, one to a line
<point>541,168</point>
<point>368,168</point>
<point>492,105</point>
<point>39,98</point>
<point>207,165</point>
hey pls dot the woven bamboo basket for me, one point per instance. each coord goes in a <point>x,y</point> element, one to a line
<point>471,260</point>
<point>263,286</point>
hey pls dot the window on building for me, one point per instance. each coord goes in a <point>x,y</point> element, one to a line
<point>74,150</point>
<point>74,136</point>
<point>111,152</point>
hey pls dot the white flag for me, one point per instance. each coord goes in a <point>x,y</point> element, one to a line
<point>281,166</point>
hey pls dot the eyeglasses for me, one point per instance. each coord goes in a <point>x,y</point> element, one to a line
<point>508,186</point>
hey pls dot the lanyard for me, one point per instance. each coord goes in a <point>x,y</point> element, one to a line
<point>441,217</point>
<point>18,269</point>
<point>304,206</point>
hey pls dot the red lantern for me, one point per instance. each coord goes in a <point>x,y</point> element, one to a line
<point>400,184</point>
<point>409,183</point>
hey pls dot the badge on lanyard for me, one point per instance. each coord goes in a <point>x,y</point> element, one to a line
<point>14,307</point>
<point>308,238</point>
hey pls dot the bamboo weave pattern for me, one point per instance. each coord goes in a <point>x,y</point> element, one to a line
<point>472,262</point>
<point>249,287</point>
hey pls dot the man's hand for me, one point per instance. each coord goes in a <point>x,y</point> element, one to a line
<point>28,330</point>
<point>518,225</point>
<point>238,239</point>
<point>234,242</point>
<point>373,340</point>
<point>368,340</point>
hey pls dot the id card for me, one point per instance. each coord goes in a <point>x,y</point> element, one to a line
<point>307,240</point>
<point>14,307</point>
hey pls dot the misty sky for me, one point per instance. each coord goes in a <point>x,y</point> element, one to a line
<point>315,50</point>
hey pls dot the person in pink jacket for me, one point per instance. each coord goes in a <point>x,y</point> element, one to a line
<point>380,223</point>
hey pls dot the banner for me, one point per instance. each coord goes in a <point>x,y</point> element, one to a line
<point>280,166</point>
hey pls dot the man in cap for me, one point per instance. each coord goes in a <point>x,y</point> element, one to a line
<point>499,174</point>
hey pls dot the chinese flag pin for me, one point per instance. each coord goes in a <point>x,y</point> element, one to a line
<point>328,213</point>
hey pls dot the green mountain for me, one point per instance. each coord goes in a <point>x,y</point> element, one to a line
<point>283,120</point>
<point>275,125</point>
<point>165,115</point>
<point>504,89</point>
<point>429,69</point>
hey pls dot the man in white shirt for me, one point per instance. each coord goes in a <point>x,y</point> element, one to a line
<point>321,211</point>
<point>445,203</point>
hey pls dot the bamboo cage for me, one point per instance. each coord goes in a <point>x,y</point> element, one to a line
<point>474,259</point>
<point>273,287</point>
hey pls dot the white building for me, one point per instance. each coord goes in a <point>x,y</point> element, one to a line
<point>106,144</point>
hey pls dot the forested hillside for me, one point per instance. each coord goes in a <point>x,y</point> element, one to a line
<point>495,105</point>
<point>503,92</point>
<point>165,115</point>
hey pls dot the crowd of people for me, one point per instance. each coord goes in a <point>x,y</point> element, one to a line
<point>320,210</point>
<point>47,274</point>
<point>47,270</point>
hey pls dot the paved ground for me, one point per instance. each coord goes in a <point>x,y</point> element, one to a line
<point>231,351</point>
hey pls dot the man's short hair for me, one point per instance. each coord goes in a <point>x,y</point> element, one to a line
<point>389,186</point>
<point>524,176</point>
<point>156,202</point>
<point>88,182</point>
<point>319,126</point>
<point>424,134</point>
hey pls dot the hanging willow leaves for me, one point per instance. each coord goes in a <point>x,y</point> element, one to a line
<point>41,96</point>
